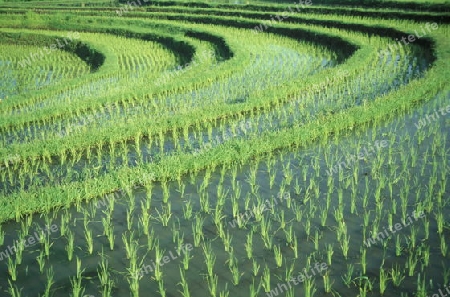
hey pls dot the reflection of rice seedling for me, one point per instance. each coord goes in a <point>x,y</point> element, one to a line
<point>13,290</point>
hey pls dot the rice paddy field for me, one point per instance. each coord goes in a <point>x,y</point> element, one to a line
<point>224,148</point>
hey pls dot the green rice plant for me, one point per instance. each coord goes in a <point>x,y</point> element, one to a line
<point>345,245</point>
<point>249,245</point>
<point>227,241</point>
<point>366,218</point>
<point>186,258</point>
<point>398,246</point>
<point>363,259</point>
<point>289,234</point>
<point>161,288</point>
<point>327,282</point>
<point>130,219</point>
<point>144,219</point>
<point>265,233</point>
<point>212,284</point>
<point>281,219</point>
<point>309,287</point>
<point>444,246</point>
<point>384,278</point>
<point>41,261</point>
<point>330,252</point>
<point>77,289</point>
<point>130,244</point>
<point>165,188</point>
<point>411,262</point>
<point>204,202</point>
<point>272,176</point>
<point>440,221</point>
<point>50,282</point>
<point>164,216</point>
<point>184,284</point>
<point>12,269</point>
<point>278,256</point>
<point>64,222</point>
<point>413,236</point>
<point>266,279</point>
<point>298,212</point>
<point>210,258</point>
<point>13,290</point>
<point>47,245</point>
<point>425,255</point>
<point>104,276</point>
<point>316,240</point>
<point>197,230</point>
<point>348,276</point>
<point>421,290</point>
<point>253,290</point>
<point>187,210</point>
<point>19,247</point>
<point>289,271</point>
<point>158,274</point>
<point>323,217</point>
<point>2,236</point>
<point>235,272</point>
<point>255,267</point>
<point>89,240</point>
<point>218,215</point>
<point>307,226</point>
<point>397,276</point>
<point>295,246</point>
<point>258,211</point>
<point>70,245</point>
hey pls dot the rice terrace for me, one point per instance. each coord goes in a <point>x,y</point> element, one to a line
<point>225,148</point>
